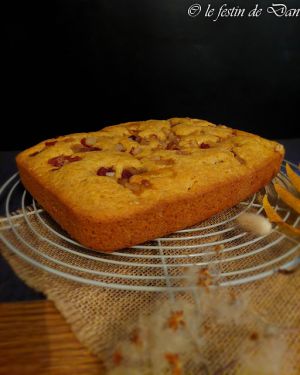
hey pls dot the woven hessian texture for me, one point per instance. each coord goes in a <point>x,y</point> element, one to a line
<point>100,317</point>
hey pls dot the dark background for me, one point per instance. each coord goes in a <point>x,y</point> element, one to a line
<point>77,65</point>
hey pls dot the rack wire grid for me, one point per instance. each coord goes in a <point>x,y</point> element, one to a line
<point>232,255</point>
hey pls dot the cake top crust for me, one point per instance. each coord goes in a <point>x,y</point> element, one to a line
<point>119,168</point>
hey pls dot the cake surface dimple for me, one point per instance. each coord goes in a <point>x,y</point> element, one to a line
<point>129,183</point>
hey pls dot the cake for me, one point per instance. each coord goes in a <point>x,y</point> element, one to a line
<point>136,181</point>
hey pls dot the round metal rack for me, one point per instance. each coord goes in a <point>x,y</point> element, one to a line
<point>233,256</point>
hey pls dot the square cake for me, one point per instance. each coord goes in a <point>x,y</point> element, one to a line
<point>136,181</point>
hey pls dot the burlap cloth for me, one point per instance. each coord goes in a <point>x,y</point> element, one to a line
<point>100,317</point>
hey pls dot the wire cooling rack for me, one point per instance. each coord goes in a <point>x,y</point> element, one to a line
<point>230,254</point>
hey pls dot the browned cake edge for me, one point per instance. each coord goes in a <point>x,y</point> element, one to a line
<point>164,218</point>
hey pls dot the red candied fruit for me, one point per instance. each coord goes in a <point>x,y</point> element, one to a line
<point>126,173</point>
<point>50,143</point>
<point>88,144</point>
<point>83,142</point>
<point>135,138</point>
<point>129,172</point>
<point>103,171</point>
<point>204,145</point>
<point>62,160</point>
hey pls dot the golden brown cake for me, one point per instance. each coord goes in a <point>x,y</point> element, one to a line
<point>132,182</point>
